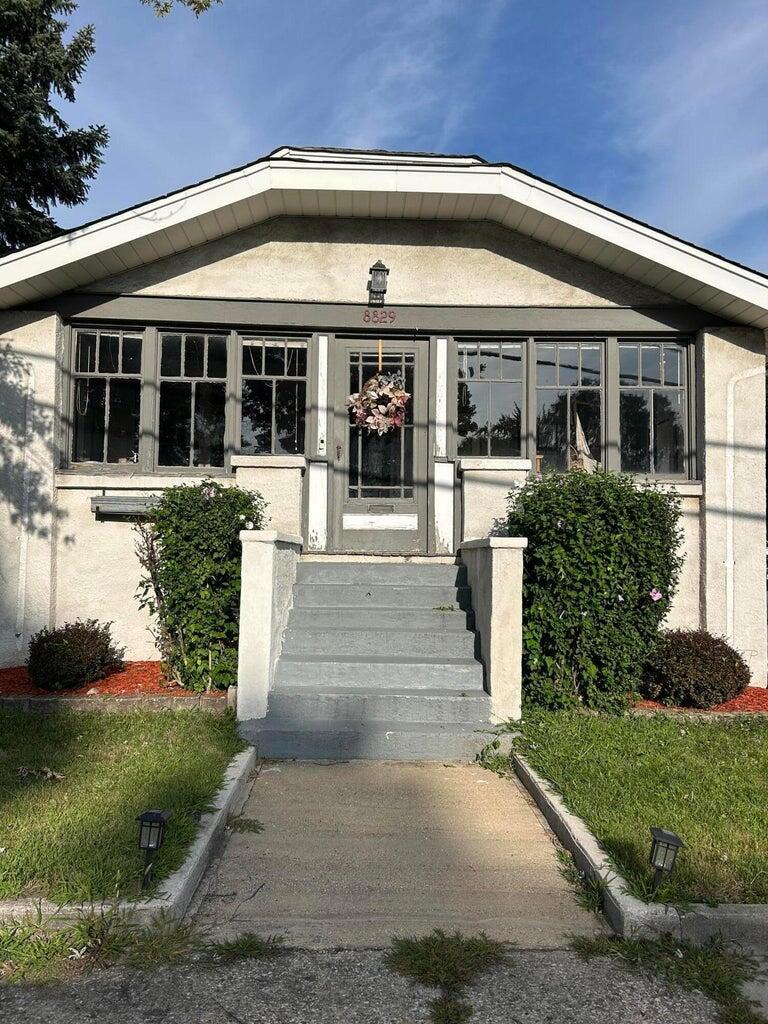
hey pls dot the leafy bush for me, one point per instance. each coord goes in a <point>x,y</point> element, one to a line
<point>600,570</point>
<point>72,655</point>
<point>189,548</point>
<point>690,668</point>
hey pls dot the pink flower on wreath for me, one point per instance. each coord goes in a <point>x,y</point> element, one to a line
<point>655,594</point>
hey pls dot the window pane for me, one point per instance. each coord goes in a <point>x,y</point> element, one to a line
<point>672,376</point>
<point>296,360</point>
<point>85,359</point>
<point>569,366</point>
<point>512,362</point>
<point>471,357</point>
<point>175,422</point>
<point>546,367</point>
<point>109,353</point>
<point>628,365</point>
<point>131,355</point>
<point>505,419</point>
<point>462,353</point>
<point>194,348</point>
<point>209,425</point>
<point>123,430</point>
<point>552,428</point>
<point>473,418</point>
<point>590,365</point>
<point>88,425</point>
<point>252,360</point>
<point>668,434</point>
<point>649,356</point>
<point>635,431</point>
<point>256,428</point>
<point>490,364</point>
<point>170,360</point>
<point>289,416</point>
<point>217,357</point>
<point>274,360</point>
<point>586,427</point>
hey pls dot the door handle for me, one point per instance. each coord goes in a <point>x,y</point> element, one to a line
<point>338,453</point>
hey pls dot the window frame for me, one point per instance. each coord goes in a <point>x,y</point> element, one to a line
<point>498,340</point>
<point>264,337</point>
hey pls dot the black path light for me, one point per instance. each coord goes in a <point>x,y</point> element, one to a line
<point>151,837</point>
<point>665,847</point>
<point>377,286</point>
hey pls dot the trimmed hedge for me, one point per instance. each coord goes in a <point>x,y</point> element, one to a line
<point>601,567</point>
<point>690,668</point>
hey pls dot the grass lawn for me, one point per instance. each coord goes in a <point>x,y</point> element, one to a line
<point>706,781</point>
<point>72,784</point>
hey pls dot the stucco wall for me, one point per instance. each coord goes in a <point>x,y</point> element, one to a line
<point>685,612</point>
<point>485,488</point>
<point>327,260</point>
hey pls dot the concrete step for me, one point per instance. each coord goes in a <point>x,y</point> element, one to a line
<point>328,741</point>
<point>382,573</point>
<point>463,674</point>
<point>395,644</point>
<point>301,706</point>
<point>381,618</point>
<point>335,595</point>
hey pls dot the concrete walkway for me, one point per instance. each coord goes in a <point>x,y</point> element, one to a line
<point>352,854</point>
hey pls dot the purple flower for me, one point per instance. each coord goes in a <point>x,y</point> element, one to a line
<point>209,492</point>
<point>655,594</point>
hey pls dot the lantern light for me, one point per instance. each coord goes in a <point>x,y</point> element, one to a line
<point>665,847</point>
<point>151,837</point>
<point>377,286</point>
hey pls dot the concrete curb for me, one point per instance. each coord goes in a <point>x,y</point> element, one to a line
<point>112,705</point>
<point>742,923</point>
<point>175,893</point>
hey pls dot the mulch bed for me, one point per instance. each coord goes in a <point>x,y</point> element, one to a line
<point>136,679</point>
<point>754,698</point>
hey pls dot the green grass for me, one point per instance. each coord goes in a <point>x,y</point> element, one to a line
<point>714,969</point>
<point>248,946</point>
<point>72,784</point>
<point>707,781</point>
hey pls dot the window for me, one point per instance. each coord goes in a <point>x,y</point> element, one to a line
<point>106,406</point>
<point>274,396</point>
<point>652,408</point>
<point>193,371</point>
<point>569,404</point>
<point>490,398</point>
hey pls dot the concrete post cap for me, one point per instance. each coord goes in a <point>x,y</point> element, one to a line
<point>270,537</point>
<point>495,542</point>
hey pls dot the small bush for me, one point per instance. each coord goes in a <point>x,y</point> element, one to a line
<point>693,669</point>
<point>190,551</point>
<point>73,655</point>
<point>600,570</point>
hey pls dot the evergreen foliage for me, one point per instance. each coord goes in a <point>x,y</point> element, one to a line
<point>690,668</point>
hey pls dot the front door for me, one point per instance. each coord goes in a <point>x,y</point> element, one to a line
<point>380,481</point>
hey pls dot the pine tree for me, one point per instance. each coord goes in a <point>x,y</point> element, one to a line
<point>163,7</point>
<point>42,160</point>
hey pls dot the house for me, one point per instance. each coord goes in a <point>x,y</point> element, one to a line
<point>219,330</point>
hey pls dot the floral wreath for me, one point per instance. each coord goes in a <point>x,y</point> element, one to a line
<point>380,405</point>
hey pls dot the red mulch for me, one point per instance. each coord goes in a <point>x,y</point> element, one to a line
<point>137,679</point>
<point>754,698</point>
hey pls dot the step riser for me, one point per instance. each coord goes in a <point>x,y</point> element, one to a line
<point>380,618</point>
<point>367,643</point>
<point>388,574</point>
<point>466,676</point>
<point>318,595</point>
<point>364,745</point>
<point>300,710</point>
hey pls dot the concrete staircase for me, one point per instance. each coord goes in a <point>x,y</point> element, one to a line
<point>378,661</point>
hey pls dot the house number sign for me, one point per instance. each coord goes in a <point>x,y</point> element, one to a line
<point>379,316</point>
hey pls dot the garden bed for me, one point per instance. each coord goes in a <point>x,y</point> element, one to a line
<point>136,679</point>
<point>753,700</point>
<point>707,781</point>
<point>73,784</point>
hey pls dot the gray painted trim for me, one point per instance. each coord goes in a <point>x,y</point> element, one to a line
<point>214,312</point>
<point>122,504</point>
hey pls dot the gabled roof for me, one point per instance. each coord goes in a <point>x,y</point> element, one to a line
<point>376,184</point>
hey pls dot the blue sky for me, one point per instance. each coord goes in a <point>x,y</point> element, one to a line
<point>657,108</point>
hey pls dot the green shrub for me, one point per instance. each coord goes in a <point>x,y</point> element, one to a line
<point>600,569</point>
<point>72,655</point>
<point>189,548</point>
<point>690,668</point>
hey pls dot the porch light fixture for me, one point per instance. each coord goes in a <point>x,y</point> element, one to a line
<point>151,836</point>
<point>377,286</point>
<point>665,847</point>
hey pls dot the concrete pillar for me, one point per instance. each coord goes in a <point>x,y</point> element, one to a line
<point>731,451</point>
<point>485,487</point>
<point>266,592</point>
<point>495,574</point>
<point>280,481</point>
